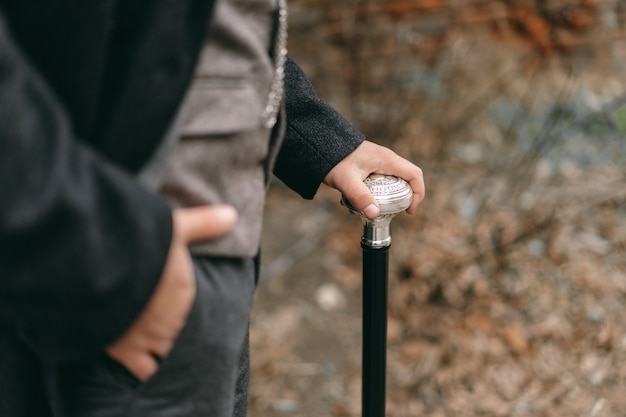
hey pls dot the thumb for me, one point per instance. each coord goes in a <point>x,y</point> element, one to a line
<point>203,222</point>
<point>361,198</point>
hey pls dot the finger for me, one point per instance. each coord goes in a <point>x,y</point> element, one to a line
<point>387,162</point>
<point>413,175</point>
<point>143,366</point>
<point>359,195</point>
<point>160,340</point>
<point>204,222</point>
<point>139,363</point>
<point>419,191</point>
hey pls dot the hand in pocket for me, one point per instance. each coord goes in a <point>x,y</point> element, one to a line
<point>152,335</point>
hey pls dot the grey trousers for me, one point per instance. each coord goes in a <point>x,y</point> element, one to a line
<point>205,375</point>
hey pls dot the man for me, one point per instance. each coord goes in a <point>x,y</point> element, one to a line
<point>102,312</point>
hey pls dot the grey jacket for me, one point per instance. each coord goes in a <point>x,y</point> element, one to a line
<point>226,151</point>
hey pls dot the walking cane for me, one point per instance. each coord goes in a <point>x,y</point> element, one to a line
<point>393,196</point>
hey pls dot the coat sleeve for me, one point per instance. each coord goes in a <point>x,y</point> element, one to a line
<point>82,245</point>
<point>317,137</point>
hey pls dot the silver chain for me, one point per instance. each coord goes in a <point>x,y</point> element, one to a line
<point>270,114</point>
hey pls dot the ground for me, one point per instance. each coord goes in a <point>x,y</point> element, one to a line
<point>508,287</point>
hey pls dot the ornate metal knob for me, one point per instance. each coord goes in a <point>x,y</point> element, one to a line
<point>393,196</point>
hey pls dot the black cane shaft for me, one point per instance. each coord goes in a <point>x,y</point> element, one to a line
<point>375,270</point>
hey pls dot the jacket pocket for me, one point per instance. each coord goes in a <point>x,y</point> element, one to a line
<point>103,387</point>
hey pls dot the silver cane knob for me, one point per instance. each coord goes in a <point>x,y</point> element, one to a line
<point>393,196</point>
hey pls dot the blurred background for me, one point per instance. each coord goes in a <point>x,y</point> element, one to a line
<point>508,286</point>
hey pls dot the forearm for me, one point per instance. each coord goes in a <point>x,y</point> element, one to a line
<point>316,139</point>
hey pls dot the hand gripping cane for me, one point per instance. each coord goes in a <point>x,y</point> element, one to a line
<point>393,196</point>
